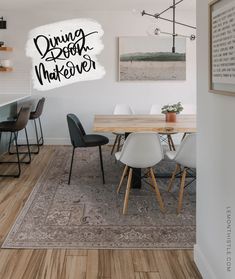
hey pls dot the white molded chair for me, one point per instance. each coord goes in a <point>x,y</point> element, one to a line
<point>140,150</point>
<point>184,157</point>
<point>123,109</point>
<point>120,109</point>
<point>164,137</point>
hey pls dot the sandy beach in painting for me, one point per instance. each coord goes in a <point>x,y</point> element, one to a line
<point>152,70</point>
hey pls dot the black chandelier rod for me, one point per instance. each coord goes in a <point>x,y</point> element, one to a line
<point>167,19</point>
<point>173,6</point>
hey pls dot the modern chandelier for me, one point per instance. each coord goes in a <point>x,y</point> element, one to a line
<point>158,16</point>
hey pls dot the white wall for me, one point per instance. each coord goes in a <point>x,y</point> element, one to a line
<point>89,98</point>
<point>215,172</point>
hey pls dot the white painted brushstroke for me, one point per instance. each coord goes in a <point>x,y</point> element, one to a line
<point>57,30</point>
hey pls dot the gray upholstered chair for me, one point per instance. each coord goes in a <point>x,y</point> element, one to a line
<point>80,139</point>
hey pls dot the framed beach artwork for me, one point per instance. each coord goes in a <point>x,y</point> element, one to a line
<point>151,59</point>
<point>222,47</point>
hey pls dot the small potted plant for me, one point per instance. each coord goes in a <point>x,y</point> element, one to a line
<point>171,110</point>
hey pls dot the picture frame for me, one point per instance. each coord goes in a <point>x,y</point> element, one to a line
<point>146,58</point>
<point>221,47</point>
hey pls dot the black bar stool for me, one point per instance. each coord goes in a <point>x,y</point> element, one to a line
<point>14,127</point>
<point>35,115</point>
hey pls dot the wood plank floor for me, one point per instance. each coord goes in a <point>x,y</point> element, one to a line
<point>76,264</point>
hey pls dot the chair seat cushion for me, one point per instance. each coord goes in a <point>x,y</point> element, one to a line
<point>95,140</point>
<point>171,154</point>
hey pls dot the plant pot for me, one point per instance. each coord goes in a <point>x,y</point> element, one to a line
<point>170,117</point>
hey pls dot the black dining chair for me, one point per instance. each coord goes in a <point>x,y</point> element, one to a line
<point>79,138</point>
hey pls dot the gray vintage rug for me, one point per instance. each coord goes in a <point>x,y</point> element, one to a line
<point>88,214</point>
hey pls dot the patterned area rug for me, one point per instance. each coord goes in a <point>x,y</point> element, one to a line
<point>88,214</point>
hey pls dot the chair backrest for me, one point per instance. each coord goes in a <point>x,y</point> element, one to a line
<point>76,131</point>
<point>123,109</point>
<point>22,119</point>
<point>155,109</point>
<point>186,154</point>
<point>38,111</point>
<point>142,150</point>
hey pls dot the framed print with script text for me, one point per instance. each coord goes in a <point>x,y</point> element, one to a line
<point>222,47</point>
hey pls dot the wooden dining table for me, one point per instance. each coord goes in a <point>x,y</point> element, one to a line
<point>185,123</point>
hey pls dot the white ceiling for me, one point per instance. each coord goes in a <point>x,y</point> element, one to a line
<point>94,5</point>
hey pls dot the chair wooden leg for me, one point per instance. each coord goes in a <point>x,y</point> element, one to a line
<point>181,192</point>
<point>127,191</point>
<point>122,178</point>
<point>150,177</point>
<point>115,142</point>
<point>158,195</point>
<point>177,168</point>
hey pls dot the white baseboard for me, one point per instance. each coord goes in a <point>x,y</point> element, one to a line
<point>48,141</point>
<point>54,141</point>
<point>202,264</point>
<point>64,141</point>
<point>57,141</point>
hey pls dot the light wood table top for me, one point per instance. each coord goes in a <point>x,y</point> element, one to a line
<point>140,123</point>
